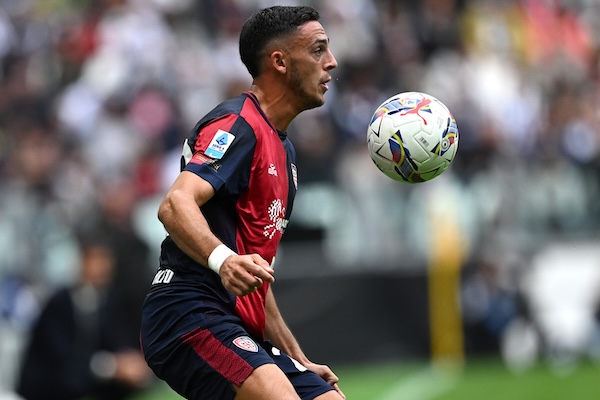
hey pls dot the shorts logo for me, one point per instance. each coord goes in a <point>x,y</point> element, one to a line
<point>219,144</point>
<point>245,343</point>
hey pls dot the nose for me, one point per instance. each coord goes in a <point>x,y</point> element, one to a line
<point>331,62</point>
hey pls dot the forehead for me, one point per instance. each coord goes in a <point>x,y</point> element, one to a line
<point>309,33</point>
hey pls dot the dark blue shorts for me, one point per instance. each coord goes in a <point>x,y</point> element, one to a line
<point>206,363</point>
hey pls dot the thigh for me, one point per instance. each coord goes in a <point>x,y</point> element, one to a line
<point>331,395</point>
<point>267,382</point>
<point>206,363</point>
<point>307,384</point>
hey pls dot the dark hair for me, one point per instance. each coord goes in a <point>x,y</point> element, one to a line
<point>266,25</point>
<point>93,236</point>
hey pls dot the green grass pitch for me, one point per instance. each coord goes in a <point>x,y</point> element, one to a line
<point>479,380</point>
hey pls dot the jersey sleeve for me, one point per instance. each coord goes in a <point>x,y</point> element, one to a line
<point>222,153</point>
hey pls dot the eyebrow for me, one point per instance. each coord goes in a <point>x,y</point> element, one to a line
<point>321,41</point>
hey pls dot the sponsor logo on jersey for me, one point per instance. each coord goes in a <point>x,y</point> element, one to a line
<point>272,170</point>
<point>245,343</point>
<point>219,144</point>
<point>276,213</point>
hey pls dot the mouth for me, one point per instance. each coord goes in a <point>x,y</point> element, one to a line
<point>325,82</point>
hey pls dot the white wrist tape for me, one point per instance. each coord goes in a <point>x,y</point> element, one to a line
<point>218,256</point>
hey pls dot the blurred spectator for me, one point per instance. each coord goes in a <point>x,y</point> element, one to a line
<point>437,27</point>
<point>36,241</point>
<point>37,248</point>
<point>490,303</point>
<point>75,350</point>
<point>133,270</point>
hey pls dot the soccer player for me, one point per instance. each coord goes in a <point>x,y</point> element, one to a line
<point>211,327</point>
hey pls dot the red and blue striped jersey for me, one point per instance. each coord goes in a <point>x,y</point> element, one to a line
<point>251,166</point>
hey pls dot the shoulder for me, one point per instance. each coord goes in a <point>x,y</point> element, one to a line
<point>237,107</point>
<point>239,114</point>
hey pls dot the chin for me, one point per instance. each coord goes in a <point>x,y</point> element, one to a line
<point>316,102</point>
<point>312,101</point>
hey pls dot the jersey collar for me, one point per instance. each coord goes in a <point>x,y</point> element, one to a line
<point>253,97</point>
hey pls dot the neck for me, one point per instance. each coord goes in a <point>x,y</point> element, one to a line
<point>276,106</point>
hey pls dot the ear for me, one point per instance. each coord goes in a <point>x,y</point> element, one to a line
<point>278,61</point>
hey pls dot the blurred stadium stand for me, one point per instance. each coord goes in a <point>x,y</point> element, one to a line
<point>98,93</point>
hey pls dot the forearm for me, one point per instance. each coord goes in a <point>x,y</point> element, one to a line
<point>278,332</point>
<point>182,218</point>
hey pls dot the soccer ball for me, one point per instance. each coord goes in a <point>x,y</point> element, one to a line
<point>412,137</point>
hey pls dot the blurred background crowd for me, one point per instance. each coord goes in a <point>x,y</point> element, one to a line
<point>96,96</point>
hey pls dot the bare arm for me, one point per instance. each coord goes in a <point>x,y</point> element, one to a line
<point>281,336</point>
<point>279,333</point>
<point>181,216</point>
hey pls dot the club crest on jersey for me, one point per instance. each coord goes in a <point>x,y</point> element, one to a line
<point>219,144</point>
<point>245,343</point>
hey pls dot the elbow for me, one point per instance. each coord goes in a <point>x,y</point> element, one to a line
<point>165,210</point>
<point>174,207</point>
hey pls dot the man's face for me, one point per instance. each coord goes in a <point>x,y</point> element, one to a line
<point>310,63</point>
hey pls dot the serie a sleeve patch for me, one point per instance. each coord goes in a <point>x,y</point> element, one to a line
<point>219,144</point>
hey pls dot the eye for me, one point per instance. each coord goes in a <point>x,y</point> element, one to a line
<point>319,51</point>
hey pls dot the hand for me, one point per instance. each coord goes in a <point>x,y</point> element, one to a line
<point>327,374</point>
<point>244,274</point>
<point>132,368</point>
